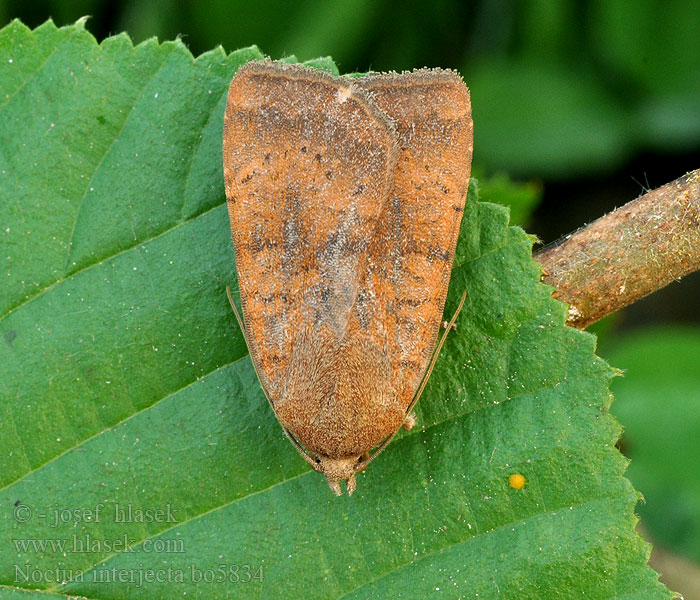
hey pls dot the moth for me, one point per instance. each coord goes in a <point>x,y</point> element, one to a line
<point>345,197</point>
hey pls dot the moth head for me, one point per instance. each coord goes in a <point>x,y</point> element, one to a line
<point>339,469</point>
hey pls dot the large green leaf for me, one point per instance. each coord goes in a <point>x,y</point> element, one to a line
<point>126,385</point>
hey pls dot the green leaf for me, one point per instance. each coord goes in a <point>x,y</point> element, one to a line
<point>521,197</point>
<point>658,402</point>
<point>131,413</point>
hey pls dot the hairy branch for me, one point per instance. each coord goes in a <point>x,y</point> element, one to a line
<point>627,254</point>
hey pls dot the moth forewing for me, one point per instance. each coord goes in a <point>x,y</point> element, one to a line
<point>345,198</point>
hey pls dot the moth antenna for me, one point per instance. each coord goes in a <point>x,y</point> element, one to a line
<point>238,316</point>
<point>379,449</point>
<point>433,360</point>
<point>258,372</point>
<point>288,433</point>
<point>429,370</point>
<point>299,447</point>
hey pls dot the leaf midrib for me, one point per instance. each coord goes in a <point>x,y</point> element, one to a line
<point>105,259</point>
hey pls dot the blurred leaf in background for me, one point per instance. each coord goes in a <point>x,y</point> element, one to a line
<point>658,400</point>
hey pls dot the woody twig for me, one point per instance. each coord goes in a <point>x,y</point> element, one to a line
<point>627,254</point>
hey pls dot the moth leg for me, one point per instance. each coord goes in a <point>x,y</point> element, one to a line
<point>446,324</point>
<point>351,484</point>
<point>409,421</point>
<point>436,353</point>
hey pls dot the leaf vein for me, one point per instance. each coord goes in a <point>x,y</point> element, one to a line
<point>39,69</point>
<point>106,153</point>
<point>124,420</point>
<point>107,258</point>
<point>524,521</point>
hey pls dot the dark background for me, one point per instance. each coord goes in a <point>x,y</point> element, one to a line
<point>584,104</point>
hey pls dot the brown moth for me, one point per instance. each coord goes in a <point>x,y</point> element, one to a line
<point>345,198</point>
